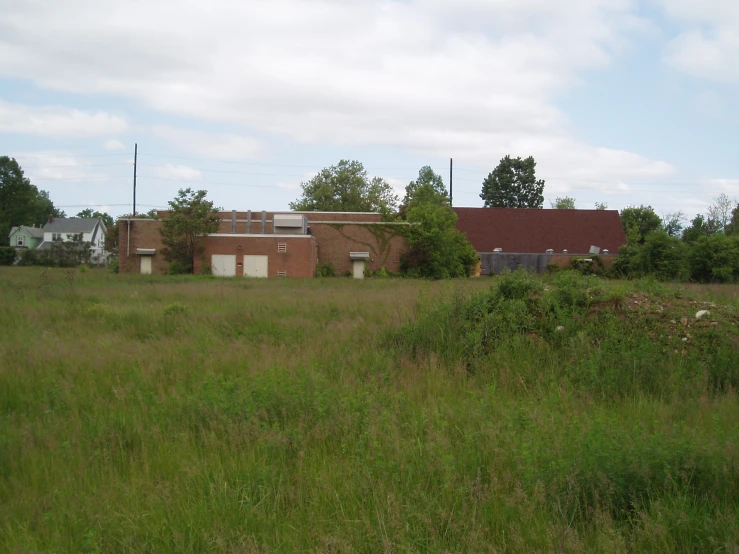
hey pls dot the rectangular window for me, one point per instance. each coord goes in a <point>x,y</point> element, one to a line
<point>282,273</point>
<point>20,240</point>
<point>56,236</point>
<point>281,247</point>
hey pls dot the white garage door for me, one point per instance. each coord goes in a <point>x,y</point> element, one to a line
<point>146,265</point>
<point>256,266</point>
<point>223,265</point>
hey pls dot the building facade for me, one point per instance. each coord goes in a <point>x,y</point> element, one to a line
<point>270,244</point>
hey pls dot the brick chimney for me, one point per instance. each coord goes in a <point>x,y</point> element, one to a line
<point>51,218</point>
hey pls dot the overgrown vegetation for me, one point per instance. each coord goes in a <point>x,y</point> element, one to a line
<point>189,414</point>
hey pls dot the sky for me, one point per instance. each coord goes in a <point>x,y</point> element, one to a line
<point>626,102</point>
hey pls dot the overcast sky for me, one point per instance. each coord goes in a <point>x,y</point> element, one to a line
<point>620,101</point>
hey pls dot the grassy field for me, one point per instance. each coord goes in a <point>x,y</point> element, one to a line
<point>177,414</point>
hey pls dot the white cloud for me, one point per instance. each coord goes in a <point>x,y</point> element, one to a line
<point>56,166</point>
<point>57,121</point>
<point>469,79</point>
<point>114,145</point>
<point>221,146</point>
<point>178,173</point>
<point>709,46</point>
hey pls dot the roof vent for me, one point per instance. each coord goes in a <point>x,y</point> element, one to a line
<point>595,250</point>
<point>606,252</point>
<point>497,250</point>
<point>564,252</point>
<point>550,251</point>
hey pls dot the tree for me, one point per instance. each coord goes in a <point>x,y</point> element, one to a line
<point>436,249</point>
<point>345,187</point>
<point>566,203</point>
<point>700,227</point>
<point>714,258</point>
<point>733,227</point>
<point>721,210</point>
<point>672,223</point>
<point>428,188</point>
<point>638,222</point>
<point>601,206</point>
<point>513,184</point>
<point>88,212</point>
<point>190,217</point>
<point>21,203</point>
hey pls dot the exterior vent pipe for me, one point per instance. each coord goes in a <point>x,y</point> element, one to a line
<point>264,222</point>
<point>233,222</point>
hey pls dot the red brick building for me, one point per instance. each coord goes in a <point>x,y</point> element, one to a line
<point>271,244</point>
<point>291,244</point>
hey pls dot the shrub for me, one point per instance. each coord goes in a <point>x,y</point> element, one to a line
<point>113,267</point>
<point>664,256</point>
<point>7,255</point>
<point>175,308</point>
<point>588,265</point>
<point>326,269</point>
<point>437,250</point>
<point>714,259</point>
<point>178,268</point>
<point>28,257</point>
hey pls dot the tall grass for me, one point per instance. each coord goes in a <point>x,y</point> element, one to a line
<point>152,414</point>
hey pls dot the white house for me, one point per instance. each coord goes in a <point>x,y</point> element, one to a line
<point>67,228</point>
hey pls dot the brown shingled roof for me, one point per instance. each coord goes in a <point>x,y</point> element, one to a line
<point>529,230</point>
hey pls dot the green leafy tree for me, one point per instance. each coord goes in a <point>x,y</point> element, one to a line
<point>90,213</point>
<point>345,187</point>
<point>601,205</point>
<point>513,184</point>
<point>664,256</point>
<point>672,223</point>
<point>638,222</point>
<point>733,227</point>
<point>21,203</point>
<point>721,211</point>
<point>714,258</point>
<point>428,188</point>
<point>566,203</point>
<point>700,227</point>
<point>190,217</point>
<point>436,249</point>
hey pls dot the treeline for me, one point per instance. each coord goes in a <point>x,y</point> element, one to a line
<point>705,251</point>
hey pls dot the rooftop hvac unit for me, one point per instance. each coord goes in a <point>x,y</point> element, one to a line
<point>595,250</point>
<point>289,224</point>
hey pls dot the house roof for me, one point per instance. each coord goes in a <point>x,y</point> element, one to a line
<point>529,230</point>
<point>33,232</point>
<point>71,225</point>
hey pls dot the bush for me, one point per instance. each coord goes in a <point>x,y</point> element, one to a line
<point>437,250</point>
<point>714,259</point>
<point>664,256</point>
<point>28,257</point>
<point>113,267</point>
<point>326,269</point>
<point>588,265</point>
<point>178,268</point>
<point>7,255</point>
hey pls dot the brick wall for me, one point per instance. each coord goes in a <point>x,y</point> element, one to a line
<point>144,234</point>
<point>299,260</point>
<point>336,241</point>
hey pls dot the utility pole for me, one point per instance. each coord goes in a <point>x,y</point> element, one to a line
<point>451,177</point>
<point>135,160</point>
